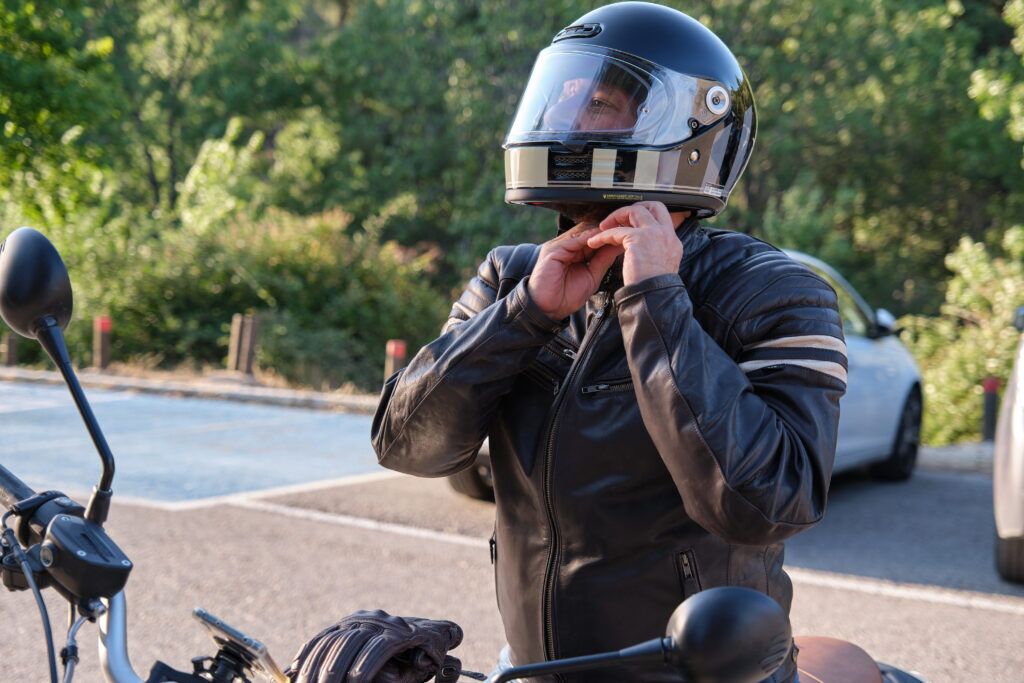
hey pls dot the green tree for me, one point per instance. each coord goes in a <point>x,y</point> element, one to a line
<point>52,73</point>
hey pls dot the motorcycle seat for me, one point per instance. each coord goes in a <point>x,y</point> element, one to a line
<point>829,660</point>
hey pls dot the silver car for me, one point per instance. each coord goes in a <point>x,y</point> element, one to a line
<point>880,415</point>
<point>1008,471</point>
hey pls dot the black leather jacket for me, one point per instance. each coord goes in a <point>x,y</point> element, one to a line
<point>666,439</point>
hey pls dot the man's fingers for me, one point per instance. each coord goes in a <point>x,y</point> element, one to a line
<point>571,248</point>
<point>634,215</point>
<point>576,230</point>
<point>659,211</point>
<point>610,236</point>
<point>602,260</point>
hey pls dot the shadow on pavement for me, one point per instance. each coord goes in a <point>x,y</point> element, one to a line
<point>935,529</point>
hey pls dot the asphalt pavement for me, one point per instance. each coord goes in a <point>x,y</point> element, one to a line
<point>279,521</point>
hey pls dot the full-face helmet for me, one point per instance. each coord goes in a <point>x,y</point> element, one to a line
<point>633,102</point>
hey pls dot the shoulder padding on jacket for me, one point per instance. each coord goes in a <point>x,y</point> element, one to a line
<point>499,273</point>
<point>750,291</point>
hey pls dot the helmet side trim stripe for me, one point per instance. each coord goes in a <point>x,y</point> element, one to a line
<point>602,173</point>
<point>646,173</point>
<point>526,167</point>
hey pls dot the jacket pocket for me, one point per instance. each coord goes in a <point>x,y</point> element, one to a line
<point>689,577</point>
<point>606,387</point>
<point>544,376</point>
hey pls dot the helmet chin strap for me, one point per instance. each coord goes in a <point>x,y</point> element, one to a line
<point>570,215</point>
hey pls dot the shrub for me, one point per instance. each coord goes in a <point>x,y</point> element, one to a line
<point>971,339</point>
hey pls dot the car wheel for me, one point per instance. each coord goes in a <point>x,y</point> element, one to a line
<point>1010,558</point>
<point>474,482</point>
<point>901,462</point>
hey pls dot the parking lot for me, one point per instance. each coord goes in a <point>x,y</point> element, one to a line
<point>279,521</point>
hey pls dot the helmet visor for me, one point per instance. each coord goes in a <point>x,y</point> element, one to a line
<point>594,94</point>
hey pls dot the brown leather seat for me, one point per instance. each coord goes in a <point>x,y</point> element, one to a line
<point>829,660</point>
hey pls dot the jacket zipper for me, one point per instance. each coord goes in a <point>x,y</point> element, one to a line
<point>553,545</point>
<point>688,571</point>
<point>544,375</point>
<point>610,386</point>
<point>564,347</point>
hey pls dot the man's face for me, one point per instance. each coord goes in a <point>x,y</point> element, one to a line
<point>587,106</point>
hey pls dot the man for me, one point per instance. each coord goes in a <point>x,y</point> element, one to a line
<point>662,400</point>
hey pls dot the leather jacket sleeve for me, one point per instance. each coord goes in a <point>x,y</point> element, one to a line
<point>433,415</point>
<point>749,442</point>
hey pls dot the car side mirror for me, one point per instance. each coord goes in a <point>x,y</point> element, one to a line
<point>1018,319</point>
<point>885,323</point>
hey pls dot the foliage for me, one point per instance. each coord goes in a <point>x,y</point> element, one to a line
<point>973,338</point>
<point>142,131</point>
<point>52,73</point>
<point>332,296</point>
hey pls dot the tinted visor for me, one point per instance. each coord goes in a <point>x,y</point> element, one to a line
<point>592,94</point>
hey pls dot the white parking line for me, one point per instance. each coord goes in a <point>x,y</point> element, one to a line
<point>25,405</point>
<point>361,523</point>
<point>152,434</point>
<point>810,577</point>
<point>908,591</point>
<point>255,495</point>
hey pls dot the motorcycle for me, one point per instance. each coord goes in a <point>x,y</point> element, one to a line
<point>47,540</point>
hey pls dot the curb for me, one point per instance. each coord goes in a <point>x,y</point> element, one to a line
<point>204,388</point>
<point>961,457</point>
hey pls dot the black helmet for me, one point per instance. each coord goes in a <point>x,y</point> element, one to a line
<point>633,102</point>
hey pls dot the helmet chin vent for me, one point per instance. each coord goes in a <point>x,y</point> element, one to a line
<point>577,167</point>
<point>570,159</point>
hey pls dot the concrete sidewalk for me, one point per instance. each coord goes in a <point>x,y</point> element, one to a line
<point>967,457</point>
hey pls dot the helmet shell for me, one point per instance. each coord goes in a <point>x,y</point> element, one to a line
<point>697,173</point>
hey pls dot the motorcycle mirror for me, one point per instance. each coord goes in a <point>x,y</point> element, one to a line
<point>36,302</point>
<point>34,283</point>
<point>729,635</point>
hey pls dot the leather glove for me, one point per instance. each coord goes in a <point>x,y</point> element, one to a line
<point>375,647</point>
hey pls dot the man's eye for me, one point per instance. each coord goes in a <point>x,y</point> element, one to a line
<point>598,105</point>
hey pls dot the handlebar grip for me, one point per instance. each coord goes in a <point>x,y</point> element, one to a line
<point>12,489</point>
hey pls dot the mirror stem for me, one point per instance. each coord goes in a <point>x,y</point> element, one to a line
<point>52,339</point>
<point>656,650</point>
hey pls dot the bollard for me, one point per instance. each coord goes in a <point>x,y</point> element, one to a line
<point>990,385</point>
<point>245,332</point>
<point>9,346</point>
<point>235,344</point>
<point>250,337</point>
<point>394,357</point>
<point>101,327</point>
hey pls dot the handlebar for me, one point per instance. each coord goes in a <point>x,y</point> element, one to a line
<point>12,489</point>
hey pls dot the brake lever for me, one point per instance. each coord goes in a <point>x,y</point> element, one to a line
<point>11,572</point>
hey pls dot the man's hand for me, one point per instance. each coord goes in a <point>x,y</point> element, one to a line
<point>647,232</point>
<point>568,271</point>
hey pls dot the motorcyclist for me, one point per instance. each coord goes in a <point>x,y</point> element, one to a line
<point>662,399</point>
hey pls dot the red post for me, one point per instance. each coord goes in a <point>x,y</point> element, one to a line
<point>101,328</point>
<point>990,387</point>
<point>394,357</point>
